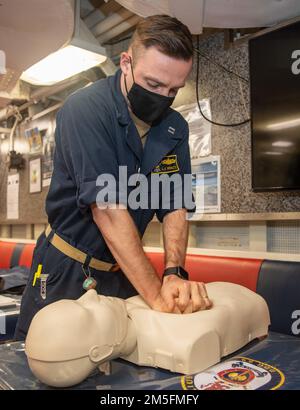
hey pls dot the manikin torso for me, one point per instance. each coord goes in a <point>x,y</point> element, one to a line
<point>68,339</point>
<point>193,342</point>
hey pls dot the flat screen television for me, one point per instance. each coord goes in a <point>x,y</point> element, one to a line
<point>274,58</point>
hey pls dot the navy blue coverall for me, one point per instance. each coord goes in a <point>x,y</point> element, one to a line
<point>94,135</point>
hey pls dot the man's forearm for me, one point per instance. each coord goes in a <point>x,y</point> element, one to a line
<point>122,238</point>
<point>175,234</point>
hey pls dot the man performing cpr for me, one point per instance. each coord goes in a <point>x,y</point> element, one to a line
<point>97,215</point>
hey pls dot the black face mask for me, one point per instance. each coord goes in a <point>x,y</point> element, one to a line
<point>146,105</point>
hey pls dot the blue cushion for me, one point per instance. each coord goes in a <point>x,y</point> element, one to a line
<point>279,285</point>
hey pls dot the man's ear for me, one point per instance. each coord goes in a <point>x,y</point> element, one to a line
<point>125,62</point>
<point>100,353</point>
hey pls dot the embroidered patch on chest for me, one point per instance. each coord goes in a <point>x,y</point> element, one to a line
<point>167,165</point>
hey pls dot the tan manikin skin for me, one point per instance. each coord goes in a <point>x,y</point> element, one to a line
<point>68,339</point>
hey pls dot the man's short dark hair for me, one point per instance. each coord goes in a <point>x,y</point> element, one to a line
<point>167,34</point>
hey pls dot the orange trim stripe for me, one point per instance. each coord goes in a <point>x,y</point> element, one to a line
<point>26,255</point>
<point>6,251</point>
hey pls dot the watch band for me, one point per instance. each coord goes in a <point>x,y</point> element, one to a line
<point>178,271</point>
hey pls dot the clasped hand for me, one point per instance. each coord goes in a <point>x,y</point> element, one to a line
<point>181,296</point>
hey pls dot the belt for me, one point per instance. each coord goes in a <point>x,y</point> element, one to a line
<point>78,255</point>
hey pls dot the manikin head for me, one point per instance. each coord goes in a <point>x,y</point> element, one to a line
<point>68,339</point>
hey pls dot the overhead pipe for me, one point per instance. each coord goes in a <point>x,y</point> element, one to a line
<point>116,31</point>
<point>44,92</point>
<point>94,18</point>
<point>18,118</point>
<point>109,7</point>
<point>45,112</point>
<point>37,95</point>
<point>111,21</point>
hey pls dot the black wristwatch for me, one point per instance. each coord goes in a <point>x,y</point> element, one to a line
<point>178,271</point>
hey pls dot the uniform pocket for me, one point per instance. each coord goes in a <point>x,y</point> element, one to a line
<point>52,261</point>
<point>58,285</point>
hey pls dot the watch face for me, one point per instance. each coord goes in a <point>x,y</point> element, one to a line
<point>183,273</point>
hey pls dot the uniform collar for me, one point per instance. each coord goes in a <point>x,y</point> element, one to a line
<point>162,139</point>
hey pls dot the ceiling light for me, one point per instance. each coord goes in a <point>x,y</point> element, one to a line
<point>81,53</point>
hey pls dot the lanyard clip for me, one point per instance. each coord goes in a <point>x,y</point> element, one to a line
<point>89,282</point>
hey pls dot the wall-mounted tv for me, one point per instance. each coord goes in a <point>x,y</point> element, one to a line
<point>274,58</point>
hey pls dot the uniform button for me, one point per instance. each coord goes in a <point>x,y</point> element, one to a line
<point>138,183</point>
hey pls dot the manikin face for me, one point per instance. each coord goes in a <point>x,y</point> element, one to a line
<point>72,336</point>
<point>155,71</point>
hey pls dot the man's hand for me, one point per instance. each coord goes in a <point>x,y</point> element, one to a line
<point>182,296</point>
<point>187,296</point>
<point>160,305</point>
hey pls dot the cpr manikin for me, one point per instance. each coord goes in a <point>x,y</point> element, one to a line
<point>68,339</point>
